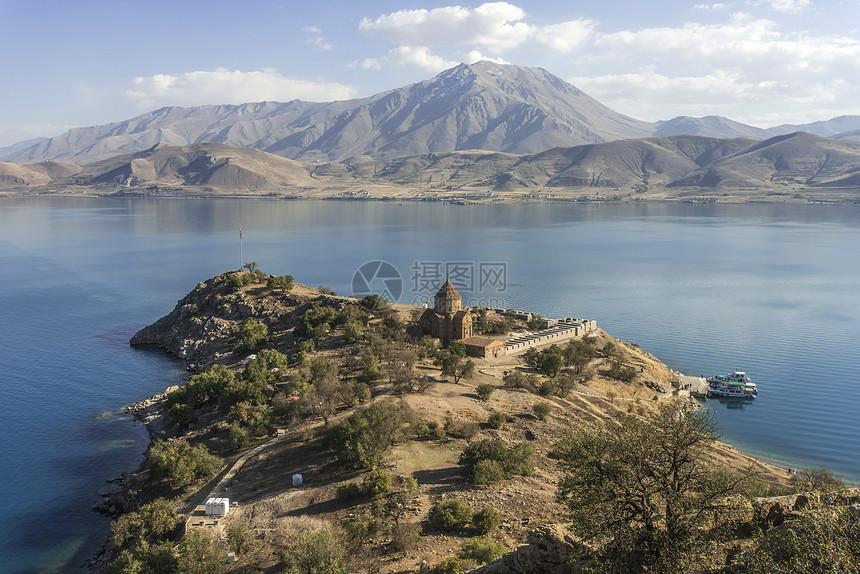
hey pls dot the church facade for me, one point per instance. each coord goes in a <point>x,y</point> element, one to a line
<point>447,319</point>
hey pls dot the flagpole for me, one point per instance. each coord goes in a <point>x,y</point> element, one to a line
<point>241,256</point>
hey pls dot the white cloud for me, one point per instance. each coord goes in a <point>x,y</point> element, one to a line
<point>494,27</point>
<point>404,55</point>
<point>476,56</point>
<point>788,6</point>
<point>648,94</point>
<point>495,24</point>
<point>754,48</point>
<point>565,36</point>
<point>222,86</point>
<point>711,7</point>
<point>315,38</point>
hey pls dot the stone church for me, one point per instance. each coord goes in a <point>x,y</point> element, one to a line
<point>447,319</point>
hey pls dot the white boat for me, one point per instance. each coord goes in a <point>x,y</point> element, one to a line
<point>734,385</point>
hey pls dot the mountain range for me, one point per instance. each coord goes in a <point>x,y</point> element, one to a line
<point>483,106</point>
<point>798,166</point>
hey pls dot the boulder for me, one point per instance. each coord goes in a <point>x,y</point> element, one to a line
<point>546,551</point>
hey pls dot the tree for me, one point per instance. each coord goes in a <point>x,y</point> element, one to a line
<point>353,330</point>
<point>240,537</point>
<point>578,353</point>
<point>152,522</point>
<point>178,463</point>
<point>644,484</point>
<point>202,388</point>
<point>371,368</point>
<point>817,479</point>
<point>316,552</point>
<point>375,303</point>
<point>362,440</point>
<point>251,335</point>
<point>550,361</point>
<point>201,553</point>
<point>282,282</point>
<point>402,374</point>
<point>326,385</point>
<point>453,364</point>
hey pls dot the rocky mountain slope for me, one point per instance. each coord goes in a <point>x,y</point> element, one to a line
<point>664,167</point>
<point>484,106</point>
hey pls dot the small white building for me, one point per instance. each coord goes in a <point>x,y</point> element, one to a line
<point>217,506</point>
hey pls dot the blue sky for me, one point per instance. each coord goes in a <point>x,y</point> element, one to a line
<point>69,63</point>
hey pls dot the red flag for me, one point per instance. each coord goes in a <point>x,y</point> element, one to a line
<point>240,233</point>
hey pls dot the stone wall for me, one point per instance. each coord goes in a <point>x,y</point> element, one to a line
<point>563,330</point>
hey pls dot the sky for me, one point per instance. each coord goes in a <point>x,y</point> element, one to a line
<point>71,63</point>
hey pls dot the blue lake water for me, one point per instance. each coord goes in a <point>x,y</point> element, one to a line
<point>772,290</point>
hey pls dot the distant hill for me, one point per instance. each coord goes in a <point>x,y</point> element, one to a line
<point>662,167</point>
<point>203,165</point>
<point>484,106</point>
<point>13,175</point>
<point>799,158</point>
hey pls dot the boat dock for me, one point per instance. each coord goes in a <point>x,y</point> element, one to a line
<point>696,386</point>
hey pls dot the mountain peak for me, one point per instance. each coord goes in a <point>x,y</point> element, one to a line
<point>482,106</point>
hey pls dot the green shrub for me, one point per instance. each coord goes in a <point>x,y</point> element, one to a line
<point>514,460</point>
<point>816,479</point>
<point>450,514</point>
<point>180,415</point>
<point>547,387</point>
<point>154,521</point>
<point>315,552</point>
<point>488,472</point>
<point>486,520</point>
<point>251,335</point>
<point>375,483</point>
<point>497,420</point>
<point>202,388</point>
<point>178,463</point>
<point>365,526</point>
<point>240,537</point>
<point>347,491</point>
<point>542,410</point>
<point>238,437</point>
<point>481,550</point>
<point>435,431</point>
<point>484,390</point>
<point>826,540</point>
<point>200,552</point>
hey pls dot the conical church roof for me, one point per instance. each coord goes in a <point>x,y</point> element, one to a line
<point>448,292</point>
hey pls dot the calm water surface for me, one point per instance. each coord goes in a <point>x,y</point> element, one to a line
<point>768,289</point>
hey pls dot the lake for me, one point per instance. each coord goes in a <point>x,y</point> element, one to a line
<point>769,289</point>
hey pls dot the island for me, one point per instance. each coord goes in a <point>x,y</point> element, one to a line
<point>321,433</point>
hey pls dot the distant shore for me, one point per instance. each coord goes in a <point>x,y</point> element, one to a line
<point>583,196</point>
